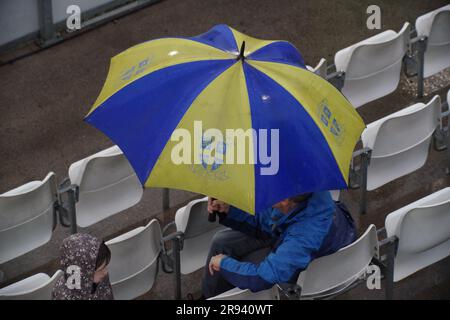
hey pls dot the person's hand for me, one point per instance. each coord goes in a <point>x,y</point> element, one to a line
<point>214,264</point>
<point>217,205</point>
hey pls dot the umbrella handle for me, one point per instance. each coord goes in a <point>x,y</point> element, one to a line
<point>213,216</point>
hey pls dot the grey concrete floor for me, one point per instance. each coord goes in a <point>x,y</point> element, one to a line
<point>44,97</point>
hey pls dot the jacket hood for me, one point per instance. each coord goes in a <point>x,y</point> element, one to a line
<point>79,253</point>
<point>80,250</point>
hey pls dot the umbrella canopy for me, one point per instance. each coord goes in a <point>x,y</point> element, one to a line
<point>288,130</point>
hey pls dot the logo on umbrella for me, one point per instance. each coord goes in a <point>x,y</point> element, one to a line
<point>217,159</point>
<point>329,120</point>
<point>136,69</point>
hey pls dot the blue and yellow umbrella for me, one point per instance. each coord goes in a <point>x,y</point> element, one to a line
<point>162,97</point>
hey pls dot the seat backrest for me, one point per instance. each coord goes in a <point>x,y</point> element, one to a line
<point>335,194</point>
<point>423,231</point>
<point>435,25</point>
<point>37,287</point>
<point>105,169</point>
<point>373,66</point>
<point>320,69</point>
<point>245,294</point>
<point>403,132</point>
<point>371,58</point>
<point>134,261</point>
<point>108,184</point>
<point>134,251</point>
<point>27,217</point>
<point>330,272</point>
<point>192,219</point>
<point>440,34</point>
<point>424,228</point>
<point>24,203</point>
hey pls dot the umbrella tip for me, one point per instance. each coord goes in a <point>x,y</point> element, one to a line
<point>241,53</point>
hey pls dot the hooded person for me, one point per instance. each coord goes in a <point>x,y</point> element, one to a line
<point>84,260</point>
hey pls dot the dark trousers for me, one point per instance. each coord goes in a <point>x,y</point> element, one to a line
<point>237,245</point>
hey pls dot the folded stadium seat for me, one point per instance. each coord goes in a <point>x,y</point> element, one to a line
<point>37,287</point>
<point>27,217</point>
<point>372,67</point>
<point>335,194</point>
<point>108,184</point>
<point>399,143</point>
<point>423,232</point>
<point>197,233</point>
<point>435,27</point>
<point>134,261</point>
<point>320,69</point>
<point>325,276</point>
<point>239,294</point>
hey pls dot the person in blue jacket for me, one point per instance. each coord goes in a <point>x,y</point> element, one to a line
<point>275,245</point>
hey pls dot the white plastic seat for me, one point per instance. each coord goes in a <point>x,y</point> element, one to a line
<point>192,220</point>
<point>335,194</point>
<point>320,69</point>
<point>134,261</point>
<point>332,274</point>
<point>423,230</point>
<point>448,99</point>
<point>435,26</point>
<point>27,217</point>
<point>37,287</point>
<point>400,142</point>
<point>372,67</point>
<point>239,294</point>
<point>108,184</point>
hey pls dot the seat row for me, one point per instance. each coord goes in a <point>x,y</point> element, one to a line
<point>371,69</point>
<point>99,186</point>
<point>417,236</point>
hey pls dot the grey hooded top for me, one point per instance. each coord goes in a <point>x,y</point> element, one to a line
<point>79,253</point>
